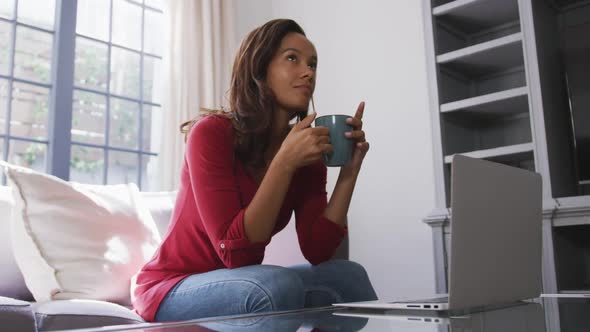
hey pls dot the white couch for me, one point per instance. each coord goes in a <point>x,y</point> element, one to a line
<point>19,310</point>
<point>75,246</point>
<point>17,303</point>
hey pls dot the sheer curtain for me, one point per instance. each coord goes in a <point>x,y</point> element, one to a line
<point>197,66</point>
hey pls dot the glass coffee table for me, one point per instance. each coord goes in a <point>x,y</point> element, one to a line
<point>541,315</point>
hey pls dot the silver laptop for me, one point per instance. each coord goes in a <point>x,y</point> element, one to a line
<point>528,317</point>
<point>495,254</point>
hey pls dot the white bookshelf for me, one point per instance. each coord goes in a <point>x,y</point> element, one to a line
<point>498,91</point>
<point>508,101</point>
<point>512,152</point>
<point>511,42</point>
<point>485,58</point>
<point>476,15</point>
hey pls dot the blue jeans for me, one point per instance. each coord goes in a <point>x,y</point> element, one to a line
<point>264,288</point>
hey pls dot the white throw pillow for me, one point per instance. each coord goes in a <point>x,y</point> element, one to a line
<point>76,241</point>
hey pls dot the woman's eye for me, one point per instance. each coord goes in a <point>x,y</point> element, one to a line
<point>313,66</point>
<point>291,57</point>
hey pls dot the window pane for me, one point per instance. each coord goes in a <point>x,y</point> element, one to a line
<point>93,18</point>
<point>149,173</point>
<point>152,120</point>
<point>28,154</point>
<point>7,8</point>
<point>126,24</point>
<point>91,64</point>
<point>40,13</point>
<point>88,118</point>
<point>123,123</point>
<point>124,73</point>
<point>152,79</point>
<point>86,165</point>
<point>3,104</point>
<point>29,111</point>
<point>5,47</point>
<point>123,167</point>
<point>33,54</point>
<point>153,32</point>
<point>159,4</point>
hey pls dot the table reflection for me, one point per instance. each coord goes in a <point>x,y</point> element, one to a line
<point>518,318</point>
<point>546,315</point>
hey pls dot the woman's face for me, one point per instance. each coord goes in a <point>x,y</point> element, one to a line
<point>291,73</point>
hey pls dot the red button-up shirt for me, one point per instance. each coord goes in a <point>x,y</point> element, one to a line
<point>206,231</point>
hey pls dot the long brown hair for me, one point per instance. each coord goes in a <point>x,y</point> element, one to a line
<point>251,102</point>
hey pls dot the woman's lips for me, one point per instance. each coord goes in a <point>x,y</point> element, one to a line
<point>305,88</point>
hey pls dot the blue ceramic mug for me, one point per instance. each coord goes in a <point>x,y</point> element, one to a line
<point>342,145</point>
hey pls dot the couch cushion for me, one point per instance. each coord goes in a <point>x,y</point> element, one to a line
<point>160,205</point>
<point>78,314</point>
<point>74,241</point>
<point>16,316</point>
<point>12,283</point>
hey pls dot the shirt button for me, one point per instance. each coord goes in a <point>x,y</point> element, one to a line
<point>222,246</point>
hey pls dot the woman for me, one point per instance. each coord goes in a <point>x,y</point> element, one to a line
<point>245,171</point>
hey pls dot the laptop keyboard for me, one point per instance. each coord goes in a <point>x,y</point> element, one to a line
<point>433,300</point>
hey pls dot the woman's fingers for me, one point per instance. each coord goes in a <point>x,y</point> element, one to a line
<point>364,146</point>
<point>324,140</point>
<point>356,123</point>
<point>358,135</point>
<point>305,123</point>
<point>319,131</point>
<point>326,148</point>
<point>360,110</point>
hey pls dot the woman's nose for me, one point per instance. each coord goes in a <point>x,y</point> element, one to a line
<point>308,73</point>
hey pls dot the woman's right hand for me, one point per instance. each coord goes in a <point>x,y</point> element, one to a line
<point>304,145</point>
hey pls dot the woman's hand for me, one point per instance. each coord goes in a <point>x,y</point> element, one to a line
<point>362,146</point>
<point>304,145</point>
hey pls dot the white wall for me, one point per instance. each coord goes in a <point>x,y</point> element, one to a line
<point>373,50</point>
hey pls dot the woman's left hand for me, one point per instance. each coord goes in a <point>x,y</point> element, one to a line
<point>362,146</point>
